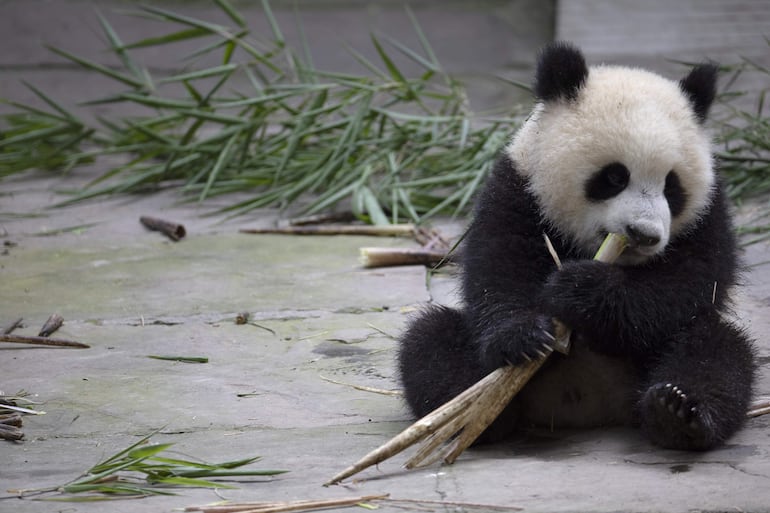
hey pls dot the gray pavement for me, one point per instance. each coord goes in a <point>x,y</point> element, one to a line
<point>315,314</point>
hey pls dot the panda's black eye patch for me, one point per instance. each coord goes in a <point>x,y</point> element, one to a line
<point>608,182</point>
<point>674,193</point>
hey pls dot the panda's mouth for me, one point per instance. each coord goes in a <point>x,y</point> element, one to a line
<point>635,253</point>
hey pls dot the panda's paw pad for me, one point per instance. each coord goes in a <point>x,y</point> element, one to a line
<point>673,403</point>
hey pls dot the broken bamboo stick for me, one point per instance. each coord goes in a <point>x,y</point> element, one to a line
<point>386,257</point>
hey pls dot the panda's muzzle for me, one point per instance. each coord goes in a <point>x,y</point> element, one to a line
<point>643,236</point>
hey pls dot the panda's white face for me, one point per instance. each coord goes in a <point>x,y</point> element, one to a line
<point>627,155</point>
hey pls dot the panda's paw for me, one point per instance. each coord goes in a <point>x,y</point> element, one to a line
<point>675,419</point>
<point>516,341</point>
<point>576,292</point>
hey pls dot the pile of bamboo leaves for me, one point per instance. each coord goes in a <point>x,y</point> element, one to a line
<point>140,471</point>
<point>265,122</point>
<point>393,147</point>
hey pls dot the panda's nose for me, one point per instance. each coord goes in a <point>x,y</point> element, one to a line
<point>643,235</point>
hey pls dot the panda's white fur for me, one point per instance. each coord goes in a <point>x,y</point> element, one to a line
<point>622,114</point>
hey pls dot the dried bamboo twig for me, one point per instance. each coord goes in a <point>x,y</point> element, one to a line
<point>391,230</point>
<point>42,341</point>
<point>15,324</point>
<point>471,412</point>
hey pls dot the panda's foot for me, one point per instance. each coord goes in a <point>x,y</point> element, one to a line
<point>675,419</point>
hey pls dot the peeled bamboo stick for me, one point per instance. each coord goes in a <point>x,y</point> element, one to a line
<point>471,412</point>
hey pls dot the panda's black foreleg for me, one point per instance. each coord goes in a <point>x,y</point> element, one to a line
<point>438,360</point>
<point>697,394</point>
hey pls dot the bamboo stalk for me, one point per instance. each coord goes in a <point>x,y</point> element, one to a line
<point>471,412</point>
<point>43,341</point>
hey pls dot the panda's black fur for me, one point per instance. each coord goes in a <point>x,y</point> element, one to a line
<point>650,346</point>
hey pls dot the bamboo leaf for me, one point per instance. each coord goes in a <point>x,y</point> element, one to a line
<point>120,77</point>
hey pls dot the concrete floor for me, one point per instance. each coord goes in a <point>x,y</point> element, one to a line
<point>316,314</point>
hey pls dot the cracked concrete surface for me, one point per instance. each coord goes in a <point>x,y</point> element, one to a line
<point>315,316</point>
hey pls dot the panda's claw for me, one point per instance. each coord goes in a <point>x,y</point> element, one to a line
<point>675,412</point>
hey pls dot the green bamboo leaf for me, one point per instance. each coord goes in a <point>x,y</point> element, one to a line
<point>174,37</point>
<point>204,73</point>
<point>392,68</point>
<point>35,135</point>
<point>228,53</point>
<point>231,12</point>
<point>372,207</point>
<point>188,481</point>
<point>164,14</point>
<point>277,34</point>
<point>120,77</point>
<point>426,47</point>
<point>226,473</point>
<point>157,101</point>
<point>411,54</point>
<point>67,114</point>
<point>117,45</point>
<point>222,161</point>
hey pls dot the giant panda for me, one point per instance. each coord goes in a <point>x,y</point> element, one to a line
<point>606,149</point>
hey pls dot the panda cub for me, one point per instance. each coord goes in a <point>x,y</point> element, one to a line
<point>606,149</point>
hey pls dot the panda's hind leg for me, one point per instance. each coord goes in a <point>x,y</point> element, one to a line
<point>436,359</point>
<point>697,394</point>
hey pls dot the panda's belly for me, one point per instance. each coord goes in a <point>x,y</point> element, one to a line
<point>583,389</point>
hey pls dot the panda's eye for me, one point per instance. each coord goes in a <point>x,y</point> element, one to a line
<point>608,182</point>
<point>674,193</point>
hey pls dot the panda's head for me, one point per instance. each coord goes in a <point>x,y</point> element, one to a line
<point>614,149</point>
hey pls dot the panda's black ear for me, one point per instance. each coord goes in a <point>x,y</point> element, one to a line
<point>561,72</point>
<point>700,87</point>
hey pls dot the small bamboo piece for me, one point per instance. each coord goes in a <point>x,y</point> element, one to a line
<point>173,231</point>
<point>471,412</point>
<point>53,323</point>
